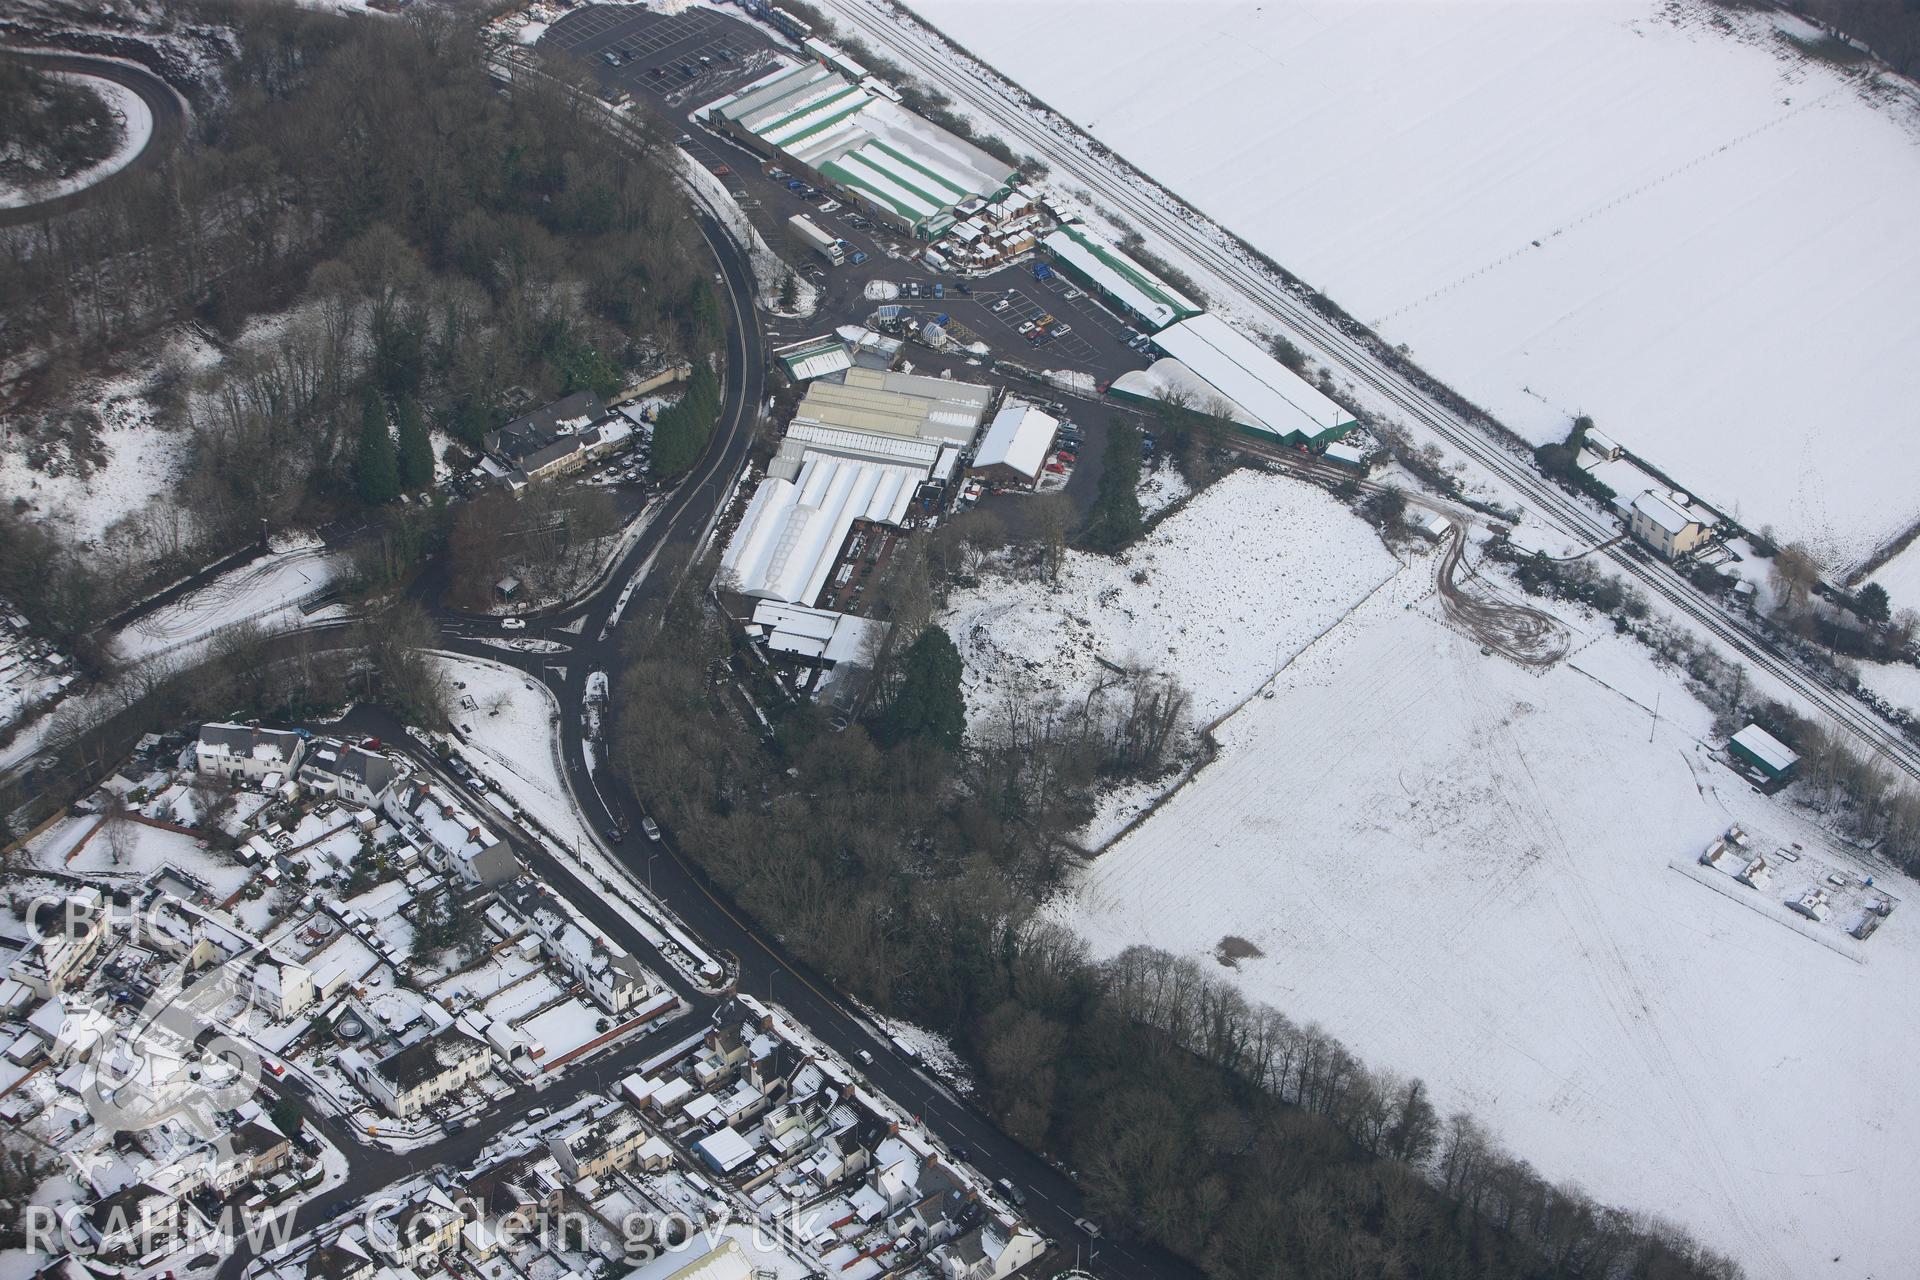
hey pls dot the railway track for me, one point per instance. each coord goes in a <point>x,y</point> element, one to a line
<point>1155,211</point>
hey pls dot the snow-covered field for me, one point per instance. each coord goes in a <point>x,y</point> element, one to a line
<point>266,591</point>
<point>1229,588</point>
<point>1461,869</point>
<point>142,460</point>
<point>1660,214</point>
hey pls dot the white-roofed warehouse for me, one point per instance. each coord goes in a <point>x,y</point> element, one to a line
<point>793,530</point>
<point>1015,447</point>
<point>1208,360</point>
<point>1104,268</point>
<point>907,171</point>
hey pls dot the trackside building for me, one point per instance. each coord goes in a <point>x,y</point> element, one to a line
<point>1105,271</point>
<point>1211,366</point>
<point>905,171</point>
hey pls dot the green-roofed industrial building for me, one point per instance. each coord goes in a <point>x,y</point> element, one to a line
<point>1106,271</point>
<point>905,171</point>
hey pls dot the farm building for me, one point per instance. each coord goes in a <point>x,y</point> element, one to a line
<point>1760,750</point>
<point>1215,366</point>
<point>907,172</point>
<point>1107,272</point>
<point>1016,446</point>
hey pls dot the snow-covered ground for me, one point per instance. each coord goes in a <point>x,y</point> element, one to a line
<point>510,735</point>
<point>266,591</point>
<point>1901,577</point>
<point>143,459</point>
<point>1660,214</point>
<point>136,130</point>
<point>1229,589</point>
<point>1460,867</point>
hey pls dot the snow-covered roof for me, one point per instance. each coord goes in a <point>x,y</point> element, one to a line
<point>899,404</point>
<point>905,450</point>
<point>1271,396</point>
<point>725,1149</point>
<point>814,357</point>
<point>1766,748</point>
<point>864,141</point>
<point>814,633</point>
<point>1150,298</point>
<point>1664,512</point>
<point>1019,438</point>
<point>793,529</point>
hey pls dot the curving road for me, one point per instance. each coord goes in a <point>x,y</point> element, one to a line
<point>169,123</point>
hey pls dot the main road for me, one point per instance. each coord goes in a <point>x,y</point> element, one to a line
<point>646,576</point>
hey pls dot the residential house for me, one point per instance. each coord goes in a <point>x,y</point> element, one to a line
<point>991,1251</point>
<point>617,981</point>
<point>1668,523</point>
<point>247,751</point>
<point>137,1222</point>
<point>600,1146</point>
<point>352,773</point>
<point>418,1230</point>
<point>66,937</point>
<point>411,1079</point>
<point>464,845</point>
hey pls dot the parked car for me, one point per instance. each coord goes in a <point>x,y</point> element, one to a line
<point>1027,326</point>
<point>794,184</point>
<point>1060,329</point>
<point>865,1057</point>
<point>1012,1192</point>
<point>611,58</point>
<point>777,175</point>
<point>651,827</point>
<point>476,785</point>
<point>1001,305</point>
<point>858,257</point>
